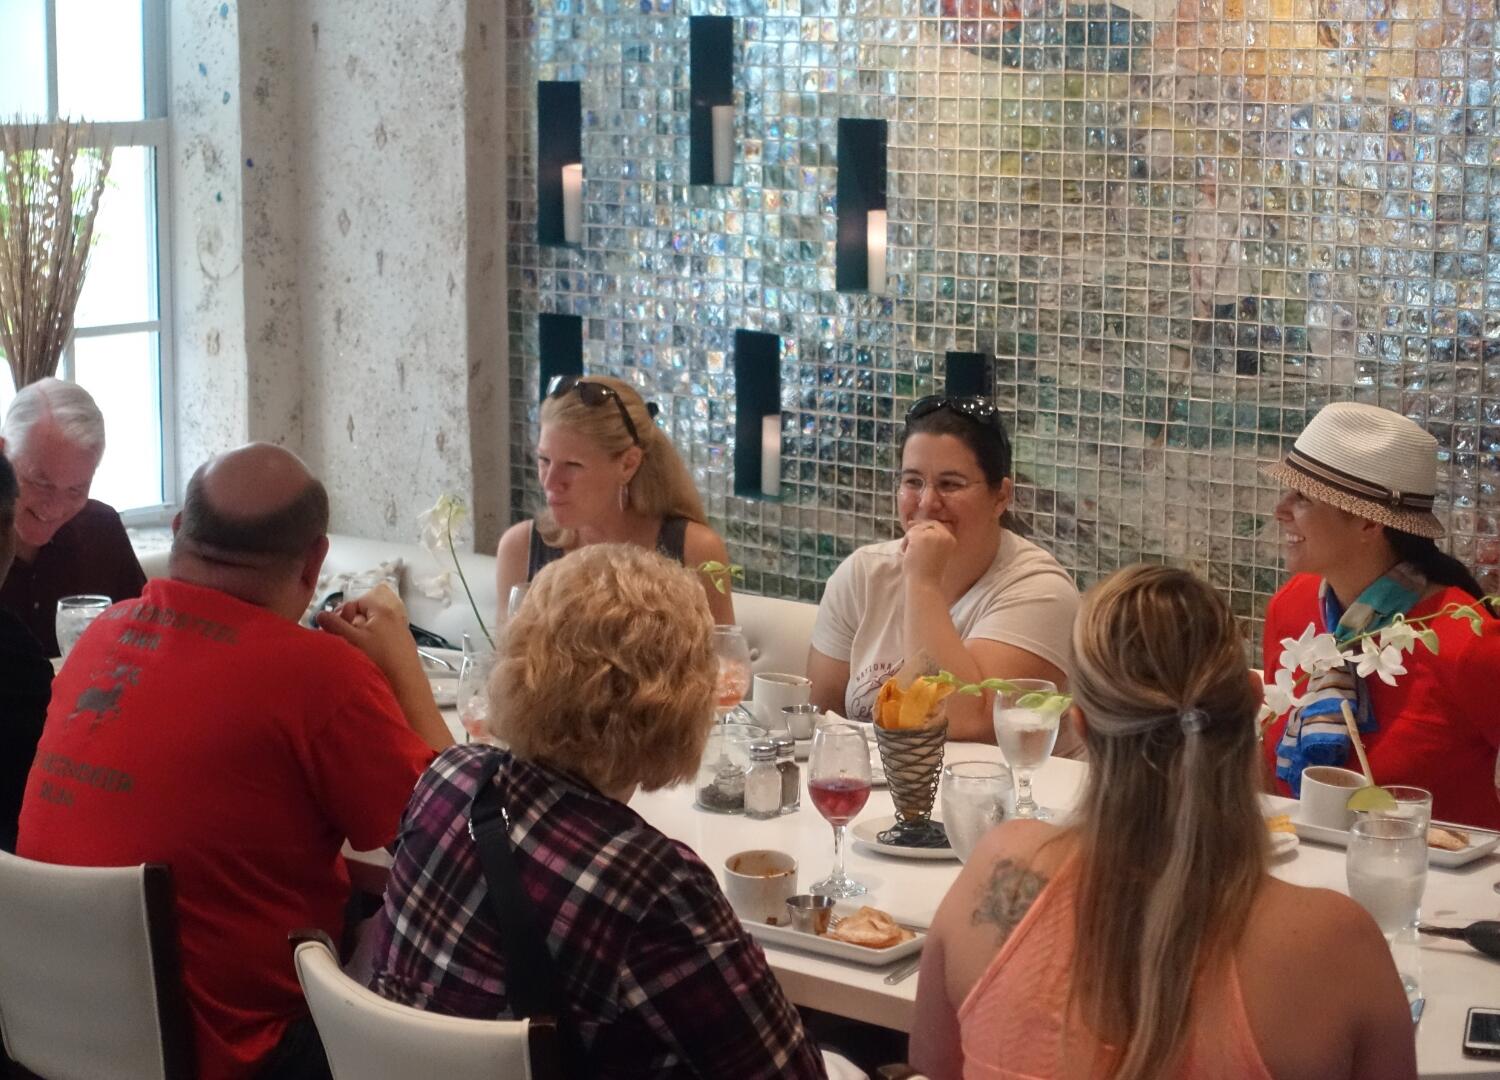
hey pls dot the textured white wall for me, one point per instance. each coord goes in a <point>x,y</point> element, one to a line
<point>367,314</point>
<point>207,240</point>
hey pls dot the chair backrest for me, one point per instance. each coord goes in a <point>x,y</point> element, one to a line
<point>90,981</point>
<point>367,1037</point>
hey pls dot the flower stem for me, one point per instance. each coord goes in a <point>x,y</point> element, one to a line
<point>448,528</point>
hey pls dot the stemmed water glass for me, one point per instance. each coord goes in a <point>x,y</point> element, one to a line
<point>473,688</point>
<point>838,784</point>
<point>734,669</point>
<point>1026,729</point>
<point>516,599</point>
<point>974,798</point>
<point>1386,868</point>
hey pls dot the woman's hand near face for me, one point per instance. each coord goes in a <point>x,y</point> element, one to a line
<point>925,552</point>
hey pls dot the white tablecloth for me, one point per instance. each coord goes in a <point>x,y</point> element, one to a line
<point>1452,977</point>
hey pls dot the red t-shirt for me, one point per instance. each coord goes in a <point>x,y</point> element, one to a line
<point>1439,726</point>
<point>194,729</point>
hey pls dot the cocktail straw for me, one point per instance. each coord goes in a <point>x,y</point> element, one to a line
<point>1359,745</point>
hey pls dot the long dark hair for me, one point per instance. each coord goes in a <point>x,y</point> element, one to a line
<point>1437,566</point>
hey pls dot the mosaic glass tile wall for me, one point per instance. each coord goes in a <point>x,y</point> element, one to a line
<point>1178,231</point>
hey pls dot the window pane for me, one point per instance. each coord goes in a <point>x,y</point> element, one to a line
<point>121,372</point>
<point>23,59</point>
<point>122,267</point>
<point>100,71</point>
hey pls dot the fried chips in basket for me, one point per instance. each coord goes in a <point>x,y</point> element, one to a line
<point>915,706</point>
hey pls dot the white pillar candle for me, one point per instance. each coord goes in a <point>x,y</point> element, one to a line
<point>572,181</point>
<point>770,454</point>
<point>875,245</point>
<point>723,125</point>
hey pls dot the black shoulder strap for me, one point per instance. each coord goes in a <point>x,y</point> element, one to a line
<point>671,538</point>
<point>531,980</point>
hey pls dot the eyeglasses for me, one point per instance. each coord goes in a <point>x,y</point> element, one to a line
<point>592,394</point>
<point>948,487</point>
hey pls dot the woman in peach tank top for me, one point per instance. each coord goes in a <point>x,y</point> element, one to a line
<point>1146,940</point>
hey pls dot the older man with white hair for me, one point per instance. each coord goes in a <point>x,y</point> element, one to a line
<point>66,543</point>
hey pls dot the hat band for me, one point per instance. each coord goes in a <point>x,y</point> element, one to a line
<point>1396,500</point>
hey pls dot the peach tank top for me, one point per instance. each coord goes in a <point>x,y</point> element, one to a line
<point>1012,1024</point>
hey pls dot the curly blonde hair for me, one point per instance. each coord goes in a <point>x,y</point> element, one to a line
<point>608,669</point>
<point>662,487</point>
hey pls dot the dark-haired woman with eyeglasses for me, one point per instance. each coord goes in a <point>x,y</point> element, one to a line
<point>980,600</point>
<point>609,475</point>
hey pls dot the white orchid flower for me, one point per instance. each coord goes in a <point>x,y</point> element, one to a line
<point>1382,661</point>
<point>1399,635</point>
<point>1281,693</point>
<point>1312,652</point>
<point>447,514</point>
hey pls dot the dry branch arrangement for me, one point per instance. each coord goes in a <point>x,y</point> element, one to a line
<point>50,185</point>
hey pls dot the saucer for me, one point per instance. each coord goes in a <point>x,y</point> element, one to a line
<point>868,832</point>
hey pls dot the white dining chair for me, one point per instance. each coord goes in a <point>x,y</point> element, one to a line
<point>90,981</point>
<point>367,1037</point>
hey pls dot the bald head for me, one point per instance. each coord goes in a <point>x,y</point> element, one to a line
<point>250,520</point>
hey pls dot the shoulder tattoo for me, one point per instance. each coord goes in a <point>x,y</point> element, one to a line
<point>1008,896</point>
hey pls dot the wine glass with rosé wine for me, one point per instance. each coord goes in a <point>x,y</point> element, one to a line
<point>838,784</point>
<point>734,670</point>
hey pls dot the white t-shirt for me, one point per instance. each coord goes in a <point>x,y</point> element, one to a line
<point>1025,599</point>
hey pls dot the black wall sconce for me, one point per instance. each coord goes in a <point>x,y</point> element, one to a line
<point>859,259</point>
<point>970,374</point>
<point>559,163</point>
<point>560,345</point>
<point>711,99</point>
<point>757,413</point>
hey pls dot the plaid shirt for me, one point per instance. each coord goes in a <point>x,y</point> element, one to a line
<point>660,977</point>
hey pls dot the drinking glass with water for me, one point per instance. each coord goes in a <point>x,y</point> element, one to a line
<point>74,613</point>
<point>976,796</point>
<point>1026,723</point>
<point>1386,865</point>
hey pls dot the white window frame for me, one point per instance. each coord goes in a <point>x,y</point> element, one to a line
<point>153,133</point>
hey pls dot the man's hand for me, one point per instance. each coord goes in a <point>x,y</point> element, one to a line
<point>376,625</point>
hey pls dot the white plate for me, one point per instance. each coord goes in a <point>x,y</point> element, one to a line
<point>444,690</point>
<point>839,950</point>
<point>1481,842</point>
<point>868,832</point>
<point>877,767</point>
<point>455,657</point>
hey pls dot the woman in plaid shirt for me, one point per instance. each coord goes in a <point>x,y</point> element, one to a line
<point>604,685</point>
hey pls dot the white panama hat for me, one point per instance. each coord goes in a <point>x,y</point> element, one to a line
<point>1369,461</point>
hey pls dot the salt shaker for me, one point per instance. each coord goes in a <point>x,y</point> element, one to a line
<point>763,781</point>
<point>791,773</point>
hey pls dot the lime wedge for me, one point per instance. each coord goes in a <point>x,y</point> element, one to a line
<point>1034,700</point>
<point>1372,797</point>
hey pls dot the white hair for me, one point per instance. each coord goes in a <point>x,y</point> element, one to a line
<point>67,404</point>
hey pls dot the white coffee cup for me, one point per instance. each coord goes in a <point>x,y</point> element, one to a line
<point>758,883</point>
<point>1325,796</point>
<point>772,692</point>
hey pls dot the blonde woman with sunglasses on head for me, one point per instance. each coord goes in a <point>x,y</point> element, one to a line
<point>610,475</point>
<point>1146,940</point>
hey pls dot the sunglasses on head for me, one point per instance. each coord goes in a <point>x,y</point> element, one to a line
<point>979,409</point>
<point>594,393</point>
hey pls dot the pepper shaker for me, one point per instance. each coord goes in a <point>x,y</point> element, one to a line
<point>791,773</point>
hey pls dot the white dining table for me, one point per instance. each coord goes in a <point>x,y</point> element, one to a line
<point>1451,976</point>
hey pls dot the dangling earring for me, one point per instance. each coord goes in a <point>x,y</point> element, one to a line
<point>624,497</point>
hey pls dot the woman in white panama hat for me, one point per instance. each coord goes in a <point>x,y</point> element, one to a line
<point>1358,530</point>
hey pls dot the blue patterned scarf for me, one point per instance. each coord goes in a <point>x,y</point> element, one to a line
<point>1315,732</point>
